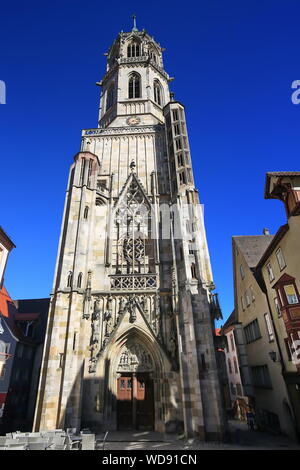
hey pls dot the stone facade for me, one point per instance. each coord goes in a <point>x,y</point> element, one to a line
<point>133,283</point>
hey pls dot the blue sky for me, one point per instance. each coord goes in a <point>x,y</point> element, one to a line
<point>233,64</point>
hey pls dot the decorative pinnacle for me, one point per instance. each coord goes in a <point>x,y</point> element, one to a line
<point>132,165</point>
<point>134,23</point>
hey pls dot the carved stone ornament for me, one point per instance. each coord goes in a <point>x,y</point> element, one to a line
<point>135,358</point>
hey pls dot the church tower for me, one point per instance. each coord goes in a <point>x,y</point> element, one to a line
<point>130,338</point>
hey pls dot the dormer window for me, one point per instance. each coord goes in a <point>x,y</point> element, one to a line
<point>134,86</point>
<point>133,50</point>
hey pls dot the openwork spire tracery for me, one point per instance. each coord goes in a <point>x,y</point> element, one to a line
<point>133,251</point>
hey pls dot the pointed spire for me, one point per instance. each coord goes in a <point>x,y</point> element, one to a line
<point>134,23</point>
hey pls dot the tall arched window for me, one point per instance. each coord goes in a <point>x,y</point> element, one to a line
<point>153,56</point>
<point>134,86</point>
<point>235,365</point>
<point>193,271</point>
<point>157,92</point>
<point>133,50</point>
<point>110,97</point>
<point>69,280</point>
<point>79,280</point>
<point>86,212</point>
<point>90,172</point>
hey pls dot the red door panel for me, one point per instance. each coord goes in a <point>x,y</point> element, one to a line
<point>124,398</point>
<point>135,402</point>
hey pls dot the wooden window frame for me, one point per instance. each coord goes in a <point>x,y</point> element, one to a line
<point>279,251</point>
<point>269,327</point>
<point>270,271</point>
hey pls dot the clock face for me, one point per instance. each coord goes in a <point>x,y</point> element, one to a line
<point>133,121</point>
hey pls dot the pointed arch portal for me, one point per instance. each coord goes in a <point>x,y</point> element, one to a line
<point>135,369</point>
<point>135,390</point>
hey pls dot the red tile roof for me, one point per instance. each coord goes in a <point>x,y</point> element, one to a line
<point>9,311</point>
<point>7,306</point>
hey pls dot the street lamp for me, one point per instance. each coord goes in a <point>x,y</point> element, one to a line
<point>273,356</point>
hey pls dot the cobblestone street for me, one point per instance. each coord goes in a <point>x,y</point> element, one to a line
<point>240,439</point>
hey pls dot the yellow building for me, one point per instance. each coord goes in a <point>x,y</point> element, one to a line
<point>262,379</point>
<point>280,270</point>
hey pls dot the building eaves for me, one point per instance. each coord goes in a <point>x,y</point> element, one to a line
<point>278,174</point>
<point>231,320</point>
<point>6,239</point>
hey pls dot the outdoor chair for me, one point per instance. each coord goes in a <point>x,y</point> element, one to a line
<point>10,440</point>
<point>71,431</point>
<point>35,434</point>
<point>21,439</point>
<point>16,446</point>
<point>104,440</point>
<point>17,435</point>
<point>56,447</point>
<point>38,446</point>
<point>88,442</point>
<point>34,440</point>
<point>57,440</point>
<point>50,434</point>
<point>73,444</point>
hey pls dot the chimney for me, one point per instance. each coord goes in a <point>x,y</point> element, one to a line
<point>266,231</point>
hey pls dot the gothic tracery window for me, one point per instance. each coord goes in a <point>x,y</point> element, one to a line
<point>133,49</point>
<point>153,56</point>
<point>69,279</point>
<point>79,280</point>
<point>110,97</point>
<point>134,248</point>
<point>134,86</point>
<point>193,271</point>
<point>157,92</point>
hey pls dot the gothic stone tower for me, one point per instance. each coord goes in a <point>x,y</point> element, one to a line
<point>130,332</point>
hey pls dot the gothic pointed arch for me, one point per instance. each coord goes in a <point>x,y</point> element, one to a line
<point>136,339</point>
<point>158,92</point>
<point>134,85</point>
<point>110,96</point>
<point>134,46</point>
<point>133,237</point>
